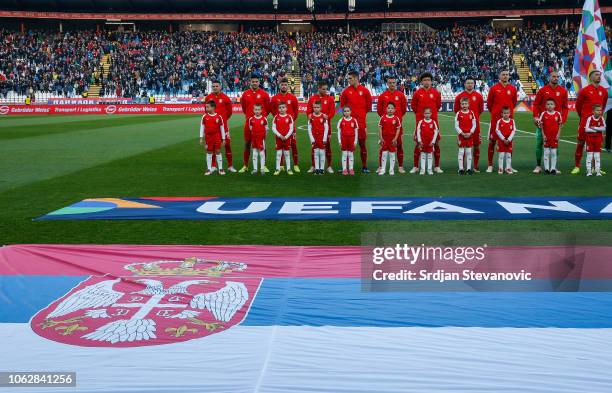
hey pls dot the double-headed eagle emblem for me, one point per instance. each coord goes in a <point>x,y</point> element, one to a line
<point>142,311</point>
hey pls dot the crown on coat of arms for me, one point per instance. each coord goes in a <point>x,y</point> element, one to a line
<point>192,266</point>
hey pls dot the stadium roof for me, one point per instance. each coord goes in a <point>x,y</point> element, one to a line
<point>322,6</point>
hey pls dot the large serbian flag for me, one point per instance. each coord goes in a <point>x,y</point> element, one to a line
<point>592,51</point>
<point>283,319</point>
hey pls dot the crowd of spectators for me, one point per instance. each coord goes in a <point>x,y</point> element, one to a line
<point>550,48</point>
<point>62,63</point>
<point>449,54</point>
<point>184,62</point>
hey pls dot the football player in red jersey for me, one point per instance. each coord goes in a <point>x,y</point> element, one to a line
<point>477,107</point>
<point>251,97</point>
<point>465,125</point>
<point>389,126</point>
<point>588,96</point>
<point>291,104</point>
<point>358,97</point>
<point>318,129</point>
<point>557,93</point>
<point>258,127</point>
<point>399,100</point>
<point>223,108</point>
<point>505,128</point>
<point>283,128</point>
<point>427,132</point>
<point>594,128</point>
<point>212,135</point>
<point>426,96</point>
<point>550,122</point>
<point>501,95</point>
<point>347,139</point>
<point>328,108</point>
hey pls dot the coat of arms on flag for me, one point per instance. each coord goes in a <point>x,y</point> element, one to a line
<point>157,302</point>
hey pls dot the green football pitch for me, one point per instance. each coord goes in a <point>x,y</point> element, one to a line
<point>51,162</point>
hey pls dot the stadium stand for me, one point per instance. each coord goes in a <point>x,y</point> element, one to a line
<point>181,64</point>
<point>450,54</point>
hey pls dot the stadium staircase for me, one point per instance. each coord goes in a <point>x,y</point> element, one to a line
<point>525,75</point>
<point>295,75</point>
<point>295,78</point>
<point>94,89</point>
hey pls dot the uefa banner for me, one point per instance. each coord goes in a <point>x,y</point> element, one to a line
<point>331,208</point>
<point>253,318</point>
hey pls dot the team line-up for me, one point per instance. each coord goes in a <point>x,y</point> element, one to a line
<point>550,111</point>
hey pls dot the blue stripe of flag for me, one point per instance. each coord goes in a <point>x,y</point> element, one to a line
<point>341,302</point>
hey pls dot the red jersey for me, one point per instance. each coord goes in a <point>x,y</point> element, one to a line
<point>595,126</point>
<point>594,133</point>
<point>328,106</point>
<point>389,125</point>
<point>589,96</point>
<point>360,101</point>
<point>224,104</point>
<point>212,126</point>
<point>465,122</point>
<point>318,129</point>
<point>427,133</point>
<point>347,127</point>
<point>499,97</point>
<point>287,98</point>
<point>396,97</point>
<point>476,102</point>
<point>551,123</point>
<point>282,125</point>
<point>505,129</point>
<point>250,98</point>
<point>557,94</point>
<point>258,126</point>
<point>426,98</point>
